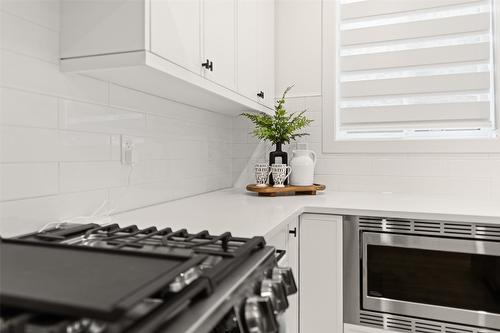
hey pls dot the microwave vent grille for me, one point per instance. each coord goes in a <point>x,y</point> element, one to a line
<point>371,319</point>
<point>457,330</point>
<point>370,223</point>
<point>386,322</point>
<point>385,224</point>
<point>427,227</point>
<point>487,231</point>
<point>414,325</point>
<point>426,327</point>
<point>397,224</point>
<point>457,229</point>
<point>449,229</point>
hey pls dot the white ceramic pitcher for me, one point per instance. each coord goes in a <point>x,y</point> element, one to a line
<point>302,163</point>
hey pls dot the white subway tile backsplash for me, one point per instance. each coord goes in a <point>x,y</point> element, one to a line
<point>313,104</point>
<point>496,169</point>
<point>189,168</point>
<point>146,148</point>
<point>219,166</point>
<point>29,38</point>
<point>28,73</point>
<point>243,150</point>
<point>61,134</point>
<point>184,187</point>
<point>343,166</point>
<point>22,180</point>
<point>314,134</point>
<point>315,117</point>
<point>148,171</point>
<point>24,144</point>
<point>23,216</point>
<point>425,166</point>
<point>218,181</point>
<point>387,166</point>
<point>495,189</point>
<point>135,100</point>
<point>140,195</point>
<point>79,146</point>
<point>295,104</point>
<point>42,12</point>
<point>99,118</point>
<point>240,136</point>
<point>83,176</point>
<point>27,109</point>
<point>186,149</point>
<point>475,187</point>
<point>471,167</point>
<point>240,123</point>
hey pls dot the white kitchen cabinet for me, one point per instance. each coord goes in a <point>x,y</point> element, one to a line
<point>292,315</point>
<point>349,328</point>
<point>265,50</point>
<point>256,50</point>
<point>219,40</point>
<point>247,48</point>
<point>320,275</point>
<point>286,238</point>
<point>175,32</point>
<point>160,46</point>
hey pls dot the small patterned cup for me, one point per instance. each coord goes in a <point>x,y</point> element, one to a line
<point>280,173</point>
<point>262,174</point>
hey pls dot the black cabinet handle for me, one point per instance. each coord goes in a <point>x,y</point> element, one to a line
<point>261,94</point>
<point>208,65</point>
<point>293,232</point>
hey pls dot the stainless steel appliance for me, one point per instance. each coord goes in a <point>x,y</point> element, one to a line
<point>421,276</point>
<point>88,278</point>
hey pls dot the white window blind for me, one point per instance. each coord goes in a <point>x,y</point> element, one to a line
<point>415,68</point>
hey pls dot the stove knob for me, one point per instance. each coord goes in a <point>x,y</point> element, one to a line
<point>286,276</point>
<point>275,290</point>
<point>259,315</point>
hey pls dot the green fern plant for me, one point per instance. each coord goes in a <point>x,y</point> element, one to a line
<point>281,127</point>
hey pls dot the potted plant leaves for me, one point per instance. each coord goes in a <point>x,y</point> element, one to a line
<point>279,128</point>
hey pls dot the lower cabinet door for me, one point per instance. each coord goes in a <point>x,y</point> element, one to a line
<point>320,276</point>
<point>292,314</point>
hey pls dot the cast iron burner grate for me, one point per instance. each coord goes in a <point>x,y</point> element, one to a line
<point>153,240</point>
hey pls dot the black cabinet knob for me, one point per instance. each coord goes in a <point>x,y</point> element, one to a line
<point>261,94</point>
<point>208,65</point>
<point>293,232</point>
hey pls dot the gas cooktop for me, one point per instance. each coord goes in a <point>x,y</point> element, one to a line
<point>106,278</point>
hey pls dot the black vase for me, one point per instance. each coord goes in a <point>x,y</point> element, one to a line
<point>278,153</point>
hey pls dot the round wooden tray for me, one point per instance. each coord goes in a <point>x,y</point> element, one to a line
<point>270,191</point>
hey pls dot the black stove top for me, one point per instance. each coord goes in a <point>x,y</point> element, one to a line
<point>92,278</point>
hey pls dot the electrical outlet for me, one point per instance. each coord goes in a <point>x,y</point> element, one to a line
<point>128,150</point>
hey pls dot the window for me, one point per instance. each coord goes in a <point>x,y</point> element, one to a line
<point>407,70</point>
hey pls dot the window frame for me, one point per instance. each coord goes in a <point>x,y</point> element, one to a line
<point>400,145</point>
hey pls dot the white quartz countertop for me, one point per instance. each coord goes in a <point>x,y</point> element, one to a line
<point>245,214</point>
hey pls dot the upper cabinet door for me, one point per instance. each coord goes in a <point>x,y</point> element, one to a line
<point>265,50</point>
<point>219,36</point>
<point>247,48</point>
<point>175,32</point>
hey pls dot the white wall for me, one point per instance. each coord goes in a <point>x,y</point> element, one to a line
<point>60,134</point>
<point>299,61</point>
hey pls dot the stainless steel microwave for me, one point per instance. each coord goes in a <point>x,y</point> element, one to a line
<point>421,276</point>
